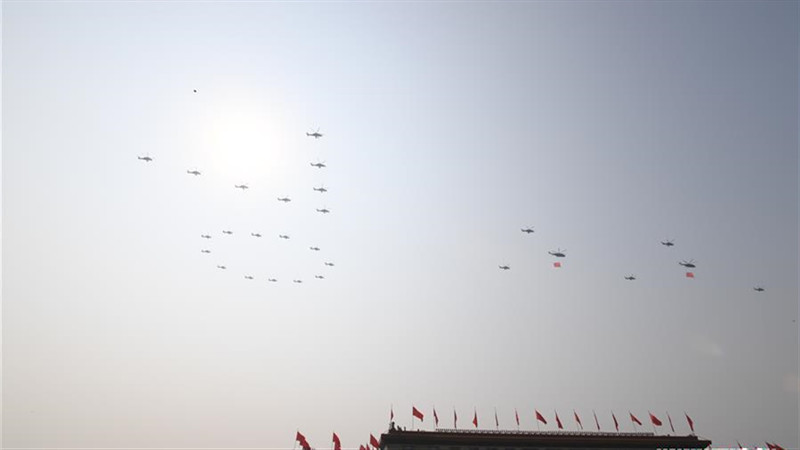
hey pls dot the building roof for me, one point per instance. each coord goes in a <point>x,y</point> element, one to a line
<point>552,439</point>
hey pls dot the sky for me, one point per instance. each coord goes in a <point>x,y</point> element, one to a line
<point>447,127</point>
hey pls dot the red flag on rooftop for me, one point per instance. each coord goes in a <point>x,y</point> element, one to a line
<point>654,420</point>
<point>634,419</point>
<point>740,445</point>
<point>769,446</point>
<point>596,422</point>
<point>616,424</point>
<point>577,419</point>
<point>670,423</point>
<point>475,419</point>
<point>374,441</point>
<point>516,416</point>
<point>337,444</point>
<point>435,418</point>
<point>689,274</point>
<point>691,422</point>
<point>558,422</point>
<point>540,417</point>
<point>416,413</point>
<point>361,447</point>
<point>299,437</point>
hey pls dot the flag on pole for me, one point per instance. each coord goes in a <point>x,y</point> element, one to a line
<point>361,447</point>
<point>558,422</point>
<point>616,424</point>
<point>435,418</point>
<point>374,441</point>
<point>689,274</point>
<point>634,419</point>
<point>391,413</point>
<point>302,440</point>
<point>740,445</point>
<point>654,420</point>
<point>416,413</point>
<point>540,417</point>
<point>596,422</point>
<point>670,423</point>
<point>691,422</point>
<point>455,419</point>
<point>516,416</point>
<point>475,419</point>
<point>337,444</point>
<point>577,419</point>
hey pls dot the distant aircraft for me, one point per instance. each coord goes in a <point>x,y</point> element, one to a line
<point>283,236</point>
<point>321,189</point>
<point>221,267</point>
<point>668,243</point>
<point>689,264</point>
<point>319,277</point>
<point>315,135</point>
<point>194,90</point>
<point>205,236</point>
<point>528,230</point>
<point>145,158</point>
<point>316,249</point>
<point>329,264</point>
<point>758,289</point>
<point>505,267</point>
<point>255,234</point>
<point>630,278</point>
<point>318,165</point>
<point>248,277</point>
<point>284,199</point>
<point>272,280</point>
<point>559,253</point>
<point>241,186</point>
<point>227,232</point>
<point>205,251</point>
<point>297,281</point>
<point>323,211</point>
<point>193,172</point>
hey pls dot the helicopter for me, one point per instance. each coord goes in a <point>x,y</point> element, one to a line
<point>255,234</point>
<point>319,277</point>
<point>505,267</point>
<point>205,236</point>
<point>284,199</point>
<point>667,243</point>
<point>528,230</point>
<point>145,158</point>
<point>228,232</point>
<point>759,289</point>
<point>690,264</point>
<point>241,186</point>
<point>320,189</point>
<point>272,280</point>
<point>323,211</point>
<point>283,236</point>
<point>316,249</point>
<point>248,277</point>
<point>329,264</point>
<point>559,253</point>
<point>318,165</point>
<point>221,267</point>
<point>205,251</point>
<point>630,277</point>
<point>193,172</point>
<point>315,135</point>
<point>297,281</point>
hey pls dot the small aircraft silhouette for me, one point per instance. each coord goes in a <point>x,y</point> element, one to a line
<point>758,289</point>
<point>205,251</point>
<point>284,199</point>
<point>329,264</point>
<point>297,281</point>
<point>689,264</point>
<point>272,280</point>
<point>255,234</point>
<point>318,165</point>
<point>145,158</point>
<point>668,243</point>
<point>319,277</point>
<point>323,211</point>
<point>194,90</point>
<point>316,249</point>
<point>283,236</point>
<point>241,186</point>
<point>528,230</point>
<point>505,267</point>
<point>205,236</point>
<point>248,277</point>
<point>630,278</point>
<point>559,253</point>
<point>221,267</point>
<point>227,232</point>
<point>193,172</point>
<point>315,135</point>
<point>321,189</point>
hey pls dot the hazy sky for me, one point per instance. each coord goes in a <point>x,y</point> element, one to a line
<point>607,126</point>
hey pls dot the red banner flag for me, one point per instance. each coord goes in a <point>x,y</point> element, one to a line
<point>596,422</point>
<point>740,445</point>
<point>654,420</point>
<point>516,416</point>
<point>634,419</point>
<point>435,418</point>
<point>616,424</point>
<point>302,440</point>
<point>556,264</point>
<point>577,419</point>
<point>691,423</point>
<point>361,447</point>
<point>558,422</point>
<point>670,423</point>
<point>337,444</point>
<point>416,413</point>
<point>540,417</point>
<point>374,441</point>
<point>689,274</point>
<point>475,419</point>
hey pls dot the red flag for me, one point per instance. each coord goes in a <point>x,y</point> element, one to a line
<point>540,417</point>
<point>740,445</point>
<point>556,264</point>
<point>596,422</point>
<point>769,446</point>
<point>475,419</point>
<point>435,418</point>
<point>777,447</point>
<point>689,274</point>
<point>616,424</point>
<point>691,423</point>
<point>302,440</point>
<point>374,441</point>
<point>577,419</point>
<point>670,423</point>
<point>654,420</point>
<point>455,419</point>
<point>361,447</point>
<point>558,422</point>
<point>337,444</point>
<point>634,419</point>
<point>415,412</point>
<point>516,416</point>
